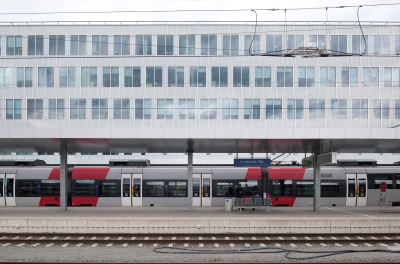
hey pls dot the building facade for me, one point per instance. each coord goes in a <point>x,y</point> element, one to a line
<point>199,81</point>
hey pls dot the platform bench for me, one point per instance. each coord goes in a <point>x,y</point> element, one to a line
<point>243,203</point>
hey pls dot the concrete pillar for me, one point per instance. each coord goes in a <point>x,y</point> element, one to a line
<point>63,176</point>
<point>190,176</point>
<point>317,178</point>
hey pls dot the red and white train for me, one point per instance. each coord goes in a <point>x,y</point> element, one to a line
<point>168,185</point>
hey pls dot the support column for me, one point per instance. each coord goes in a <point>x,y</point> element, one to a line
<point>317,178</point>
<point>190,175</point>
<point>63,176</point>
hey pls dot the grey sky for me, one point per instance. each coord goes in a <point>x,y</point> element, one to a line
<point>388,13</point>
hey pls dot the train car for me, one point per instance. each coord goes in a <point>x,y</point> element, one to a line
<point>168,185</point>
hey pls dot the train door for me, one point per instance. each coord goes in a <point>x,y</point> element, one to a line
<point>356,189</point>
<point>137,190</point>
<point>2,187</point>
<point>8,183</point>
<point>196,189</point>
<point>206,190</point>
<point>126,190</point>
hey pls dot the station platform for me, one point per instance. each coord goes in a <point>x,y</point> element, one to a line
<point>202,220</point>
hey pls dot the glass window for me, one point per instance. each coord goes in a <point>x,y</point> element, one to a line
<point>187,44</point>
<point>317,108</point>
<point>67,76</point>
<point>99,108</point>
<point>251,108</point>
<point>273,109</point>
<point>56,108</point>
<point>295,41</point>
<point>164,109</point>
<point>241,76</point>
<point>121,108</point>
<point>317,41</point>
<point>295,108</point>
<point>78,45</point>
<point>284,77</point>
<point>339,108</point>
<point>381,45</point>
<point>208,108</point>
<point>99,45</point>
<point>397,45</point>
<point>370,77</point>
<point>208,44</point>
<point>153,76</point>
<point>230,108</point>
<point>329,189</point>
<point>360,109</point>
<point>349,77</point>
<point>13,108</point>
<point>186,109</point>
<point>219,76</point>
<point>328,76</point>
<point>155,188</point>
<point>78,109</point>
<point>263,77</point>
<point>305,189</point>
<point>224,189</point>
<point>397,109</point>
<point>230,44</point>
<point>24,77</point>
<point>197,76</point>
<point>177,189</point>
<point>381,109</point>
<point>250,187</point>
<point>252,47</point>
<point>5,77</point>
<point>165,45</point>
<point>274,44</point>
<point>143,45</point>
<point>46,76</point>
<point>306,77</point>
<point>122,45</point>
<point>84,187</point>
<point>392,77</point>
<point>339,44</point>
<point>109,189</point>
<point>175,77</point>
<point>378,179</point>
<point>110,76</point>
<point>34,109</point>
<point>132,77</point>
<point>358,44</point>
<point>28,188</point>
<point>143,108</point>
<point>89,76</point>
<point>56,45</point>
<point>282,187</point>
<point>14,45</point>
<point>50,188</point>
<point>35,45</point>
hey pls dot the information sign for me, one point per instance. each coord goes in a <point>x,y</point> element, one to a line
<point>252,162</point>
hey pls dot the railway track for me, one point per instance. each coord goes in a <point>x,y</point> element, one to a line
<point>204,239</point>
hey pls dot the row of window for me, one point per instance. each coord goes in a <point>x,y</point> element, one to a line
<point>187,109</point>
<point>186,44</point>
<point>349,77</point>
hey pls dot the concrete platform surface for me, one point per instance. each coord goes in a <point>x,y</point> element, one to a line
<point>201,220</point>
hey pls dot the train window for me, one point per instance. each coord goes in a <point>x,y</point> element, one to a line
<point>28,188</point>
<point>249,187</point>
<point>329,189</point>
<point>177,189</point>
<point>383,178</point>
<point>108,189</point>
<point>155,189</point>
<point>225,189</point>
<point>136,187</point>
<point>126,187</point>
<point>351,188</point>
<point>305,189</point>
<point>10,187</point>
<point>50,188</point>
<point>84,187</point>
<point>398,184</point>
<point>196,187</point>
<point>1,188</point>
<point>282,187</point>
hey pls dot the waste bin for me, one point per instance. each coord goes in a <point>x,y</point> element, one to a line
<point>228,204</point>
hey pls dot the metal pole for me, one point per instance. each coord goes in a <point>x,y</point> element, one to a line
<point>317,178</point>
<point>63,176</point>
<point>190,176</point>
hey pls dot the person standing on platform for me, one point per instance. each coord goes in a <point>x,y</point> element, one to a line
<point>239,191</point>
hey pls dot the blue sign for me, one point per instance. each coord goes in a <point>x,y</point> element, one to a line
<point>252,162</point>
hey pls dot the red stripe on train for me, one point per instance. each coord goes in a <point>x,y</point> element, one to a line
<point>54,174</point>
<point>79,201</point>
<point>286,173</point>
<point>90,173</point>
<point>253,174</point>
